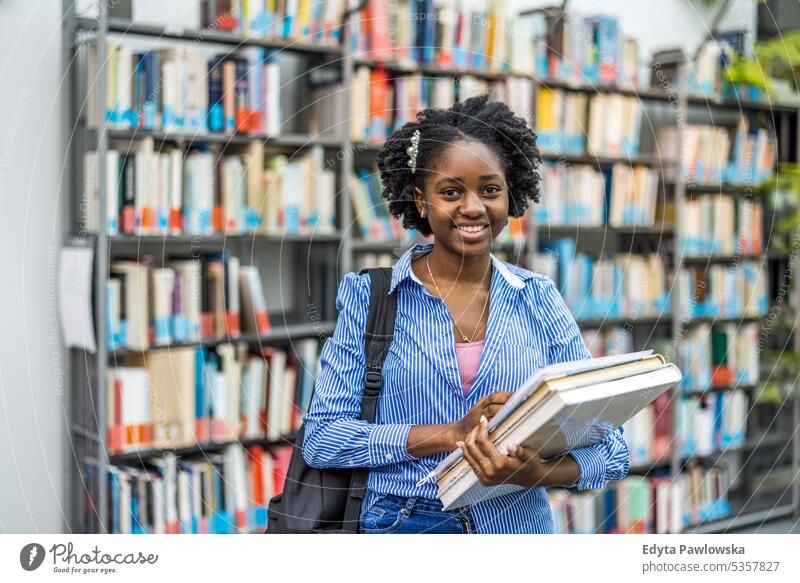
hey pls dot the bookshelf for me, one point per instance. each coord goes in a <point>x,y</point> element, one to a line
<point>88,436</point>
<point>88,491</point>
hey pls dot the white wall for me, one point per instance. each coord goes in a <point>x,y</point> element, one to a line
<point>31,370</point>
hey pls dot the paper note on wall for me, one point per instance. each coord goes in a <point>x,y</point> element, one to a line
<point>75,297</point>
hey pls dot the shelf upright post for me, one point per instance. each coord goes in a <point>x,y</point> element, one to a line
<point>532,229</point>
<point>794,264</point>
<point>68,39</point>
<point>100,274</point>
<point>682,102</point>
<point>348,158</point>
<point>795,483</point>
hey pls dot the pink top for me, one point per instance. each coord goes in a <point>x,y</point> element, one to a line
<point>469,356</point>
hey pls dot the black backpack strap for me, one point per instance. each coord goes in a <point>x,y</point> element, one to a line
<point>377,339</point>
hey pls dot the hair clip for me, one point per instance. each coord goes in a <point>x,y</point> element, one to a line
<point>412,151</point>
<point>537,172</point>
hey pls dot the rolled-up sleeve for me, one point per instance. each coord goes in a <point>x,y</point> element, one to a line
<point>335,437</point>
<point>605,460</point>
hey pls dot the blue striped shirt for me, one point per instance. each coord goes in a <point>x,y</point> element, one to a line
<point>529,327</point>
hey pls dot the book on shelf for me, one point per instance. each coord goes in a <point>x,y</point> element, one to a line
<point>381,102</point>
<point>721,224</point>
<point>705,76</point>
<point>719,356</point>
<point>657,504</point>
<point>605,287</point>
<point>188,396</point>
<point>560,121</point>
<point>620,195</point>
<point>185,90</point>
<point>449,34</point>
<point>317,22</point>
<point>738,290</point>
<point>560,408</point>
<point>710,423</point>
<point>717,154</point>
<point>209,296</point>
<point>370,208</point>
<point>209,493</point>
<point>614,126</point>
<point>648,433</point>
<point>204,191</point>
<point>608,341</point>
<point>583,48</point>
<point>573,195</point>
<point>601,125</point>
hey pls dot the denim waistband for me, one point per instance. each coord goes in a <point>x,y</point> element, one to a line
<point>419,503</point>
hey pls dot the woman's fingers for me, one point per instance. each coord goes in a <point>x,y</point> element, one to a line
<point>485,445</point>
<point>470,454</point>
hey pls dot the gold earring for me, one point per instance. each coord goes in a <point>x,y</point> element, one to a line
<point>422,214</point>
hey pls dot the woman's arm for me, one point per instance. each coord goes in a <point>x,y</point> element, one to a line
<point>334,434</point>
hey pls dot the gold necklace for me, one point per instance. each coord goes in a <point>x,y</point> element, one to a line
<point>460,331</point>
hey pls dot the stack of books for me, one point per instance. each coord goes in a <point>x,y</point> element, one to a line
<point>562,407</point>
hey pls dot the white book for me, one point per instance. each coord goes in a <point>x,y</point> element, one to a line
<point>125,522</point>
<point>185,497</point>
<point>253,396</point>
<point>159,506</point>
<point>275,406</point>
<point>288,404</point>
<point>163,285</point>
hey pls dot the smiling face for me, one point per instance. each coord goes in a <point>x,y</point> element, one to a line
<point>465,197</point>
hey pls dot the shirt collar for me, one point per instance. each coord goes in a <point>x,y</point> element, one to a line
<point>402,269</point>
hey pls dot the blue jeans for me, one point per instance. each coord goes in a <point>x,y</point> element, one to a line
<point>389,514</point>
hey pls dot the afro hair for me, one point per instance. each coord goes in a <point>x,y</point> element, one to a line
<point>489,122</point>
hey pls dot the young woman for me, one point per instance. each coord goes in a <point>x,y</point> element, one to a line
<point>469,330</point>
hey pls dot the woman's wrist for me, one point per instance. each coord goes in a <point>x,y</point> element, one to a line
<point>425,440</point>
<point>455,433</point>
<point>561,471</point>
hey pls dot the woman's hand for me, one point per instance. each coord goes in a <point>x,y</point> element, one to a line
<point>520,466</point>
<point>486,407</point>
